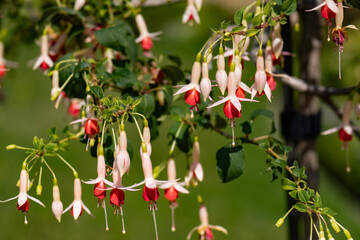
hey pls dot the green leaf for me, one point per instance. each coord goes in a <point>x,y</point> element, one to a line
<point>120,38</point>
<point>279,2</point>
<point>230,162</point>
<point>237,29</point>
<point>328,211</point>
<point>220,122</point>
<point>238,17</point>
<point>247,127</point>
<point>288,7</point>
<point>287,184</point>
<point>252,32</point>
<point>303,195</point>
<point>175,59</point>
<point>82,66</point>
<point>266,113</point>
<point>97,91</point>
<point>36,142</point>
<point>257,20</point>
<point>267,9</point>
<point>124,78</point>
<point>317,200</point>
<point>147,105</point>
<point>300,207</point>
<point>293,194</point>
<point>224,25</point>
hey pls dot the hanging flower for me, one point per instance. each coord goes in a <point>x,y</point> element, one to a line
<point>77,205</point>
<point>75,107</point>
<point>260,85</point>
<point>277,41</point>
<point>172,189</point>
<point>191,14</point>
<point>221,76</point>
<point>192,90</point>
<point>196,172</point>
<point>268,67</point>
<point>147,138</point>
<point>204,229</point>
<point>23,202</point>
<point>44,61</point>
<point>205,84</point>
<point>145,37</point>
<point>122,157</point>
<point>328,9</point>
<point>56,206</point>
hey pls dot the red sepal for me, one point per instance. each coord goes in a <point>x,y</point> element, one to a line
<point>344,136</point>
<point>147,43</point>
<point>99,190</point>
<point>91,127</point>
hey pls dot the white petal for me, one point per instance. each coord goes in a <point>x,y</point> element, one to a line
<point>155,34</point>
<point>245,87</point>
<point>77,206</point>
<point>317,7</point>
<point>218,228</point>
<point>140,38</point>
<point>9,199</point>
<point>186,15</point>
<point>108,182</point>
<point>199,172</point>
<point>79,120</point>
<point>191,232</point>
<point>22,199</point>
<point>93,181</point>
<point>218,102</point>
<point>48,61</point>
<point>351,27</point>
<point>184,89</point>
<point>267,91</point>
<point>181,189</point>
<point>253,92</point>
<point>236,103</point>
<point>68,208</point>
<point>332,6</point>
<point>330,131</point>
<point>37,201</point>
<point>38,62</point>
<point>86,209</point>
<point>166,185</point>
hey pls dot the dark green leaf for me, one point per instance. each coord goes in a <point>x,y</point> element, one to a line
<point>252,32</point>
<point>230,162</point>
<point>239,16</point>
<point>257,20</point>
<point>293,194</point>
<point>124,78</point>
<point>300,207</point>
<point>97,91</point>
<point>220,122</point>
<point>147,105</point>
<point>174,73</point>
<point>288,7</point>
<point>267,8</point>
<point>287,184</point>
<point>82,66</point>
<point>175,59</point>
<point>224,24</point>
<point>303,195</point>
<point>247,127</point>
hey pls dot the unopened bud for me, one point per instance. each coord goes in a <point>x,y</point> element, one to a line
<point>279,222</point>
<point>55,95</point>
<point>334,225</point>
<point>143,147</point>
<point>38,189</point>
<point>330,237</point>
<point>321,233</point>
<point>101,150</point>
<point>92,142</point>
<point>347,234</point>
<point>160,97</point>
<point>10,147</point>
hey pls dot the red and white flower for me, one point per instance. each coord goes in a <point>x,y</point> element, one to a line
<point>172,189</point>
<point>23,202</point>
<point>56,206</point>
<point>277,41</point>
<point>221,76</point>
<point>122,157</point>
<point>260,85</point>
<point>191,14</point>
<point>145,37</point>
<point>44,61</point>
<point>75,106</point>
<point>147,139</point>
<point>205,84</point>
<point>328,9</point>
<point>204,229</point>
<point>77,205</point>
<point>196,172</point>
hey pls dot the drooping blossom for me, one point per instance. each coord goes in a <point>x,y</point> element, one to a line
<point>147,138</point>
<point>196,172</point>
<point>192,90</point>
<point>2,61</point>
<point>79,4</point>
<point>204,229</point>
<point>221,76</point>
<point>75,106</point>
<point>44,61</point>
<point>57,48</point>
<point>77,206</point>
<point>268,67</point>
<point>345,130</point>
<point>145,37</point>
<point>328,9</point>
<point>172,189</point>
<point>122,158</point>
<point>23,202</point>
<point>205,83</point>
<point>191,14</point>
<point>56,206</point>
<point>277,41</point>
<point>260,85</point>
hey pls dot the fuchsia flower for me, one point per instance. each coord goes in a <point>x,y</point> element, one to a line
<point>56,95</point>
<point>277,41</point>
<point>172,189</point>
<point>221,76</point>
<point>44,61</point>
<point>75,106</point>
<point>122,157</point>
<point>205,84</point>
<point>56,206</point>
<point>328,9</point>
<point>192,90</point>
<point>77,205</point>
<point>204,229</point>
<point>260,85</point>
<point>2,61</point>
<point>145,37</point>
<point>23,202</point>
<point>196,172</point>
<point>191,14</point>
<point>268,67</point>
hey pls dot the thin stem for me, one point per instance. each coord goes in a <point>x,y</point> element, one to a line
<point>153,212</point>
<point>40,174</point>
<point>47,165</point>
<point>75,137</point>
<point>260,138</point>
<point>173,144</point>
<point>114,137</point>
<point>106,220</point>
<point>211,38</point>
<point>172,218</point>
<point>139,114</point>
<point>138,128</point>
<point>66,82</point>
<point>23,148</point>
<point>102,134</point>
<point>68,164</point>
<point>273,153</point>
<point>122,220</point>
<point>311,226</point>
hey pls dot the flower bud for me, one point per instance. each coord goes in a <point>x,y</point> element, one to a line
<point>160,97</point>
<point>334,225</point>
<point>38,189</point>
<point>205,84</point>
<point>277,41</point>
<point>260,75</point>
<point>321,233</point>
<point>238,68</point>
<point>347,234</point>
<point>171,170</point>
<point>57,206</point>
<point>147,166</point>
<point>204,217</point>
<point>347,112</point>
<point>330,237</point>
<point>10,147</point>
<point>279,222</point>
<point>195,72</point>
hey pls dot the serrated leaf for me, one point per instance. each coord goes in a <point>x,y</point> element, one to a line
<point>230,162</point>
<point>300,207</point>
<point>97,91</point>
<point>238,17</point>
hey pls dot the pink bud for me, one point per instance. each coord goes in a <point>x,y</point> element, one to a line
<point>205,88</point>
<point>260,75</point>
<point>101,166</point>
<point>171,170</point>
<point>238,69</point>
<point>123,162</point>
<point>147,166</point>
<point>277,41</point>
<point>204,218</point>
<point>195,73</point>
<point>57,206</point>
<point>123,141</point>
<point>77,189</point>
<point>221,79</point>
<point>268,59</point>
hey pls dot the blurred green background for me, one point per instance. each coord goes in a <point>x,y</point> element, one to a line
<point>247,207</point>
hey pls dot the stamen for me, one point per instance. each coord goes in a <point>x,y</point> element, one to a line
<point>233,131</point>
<point>122,220</point>
<point>153,212</point>
<point>348,169</point>
<point>106,220</point>
<point>26,221</point>
<point>87,144</point>
<point>339,64</point>
<point>172,218</point>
